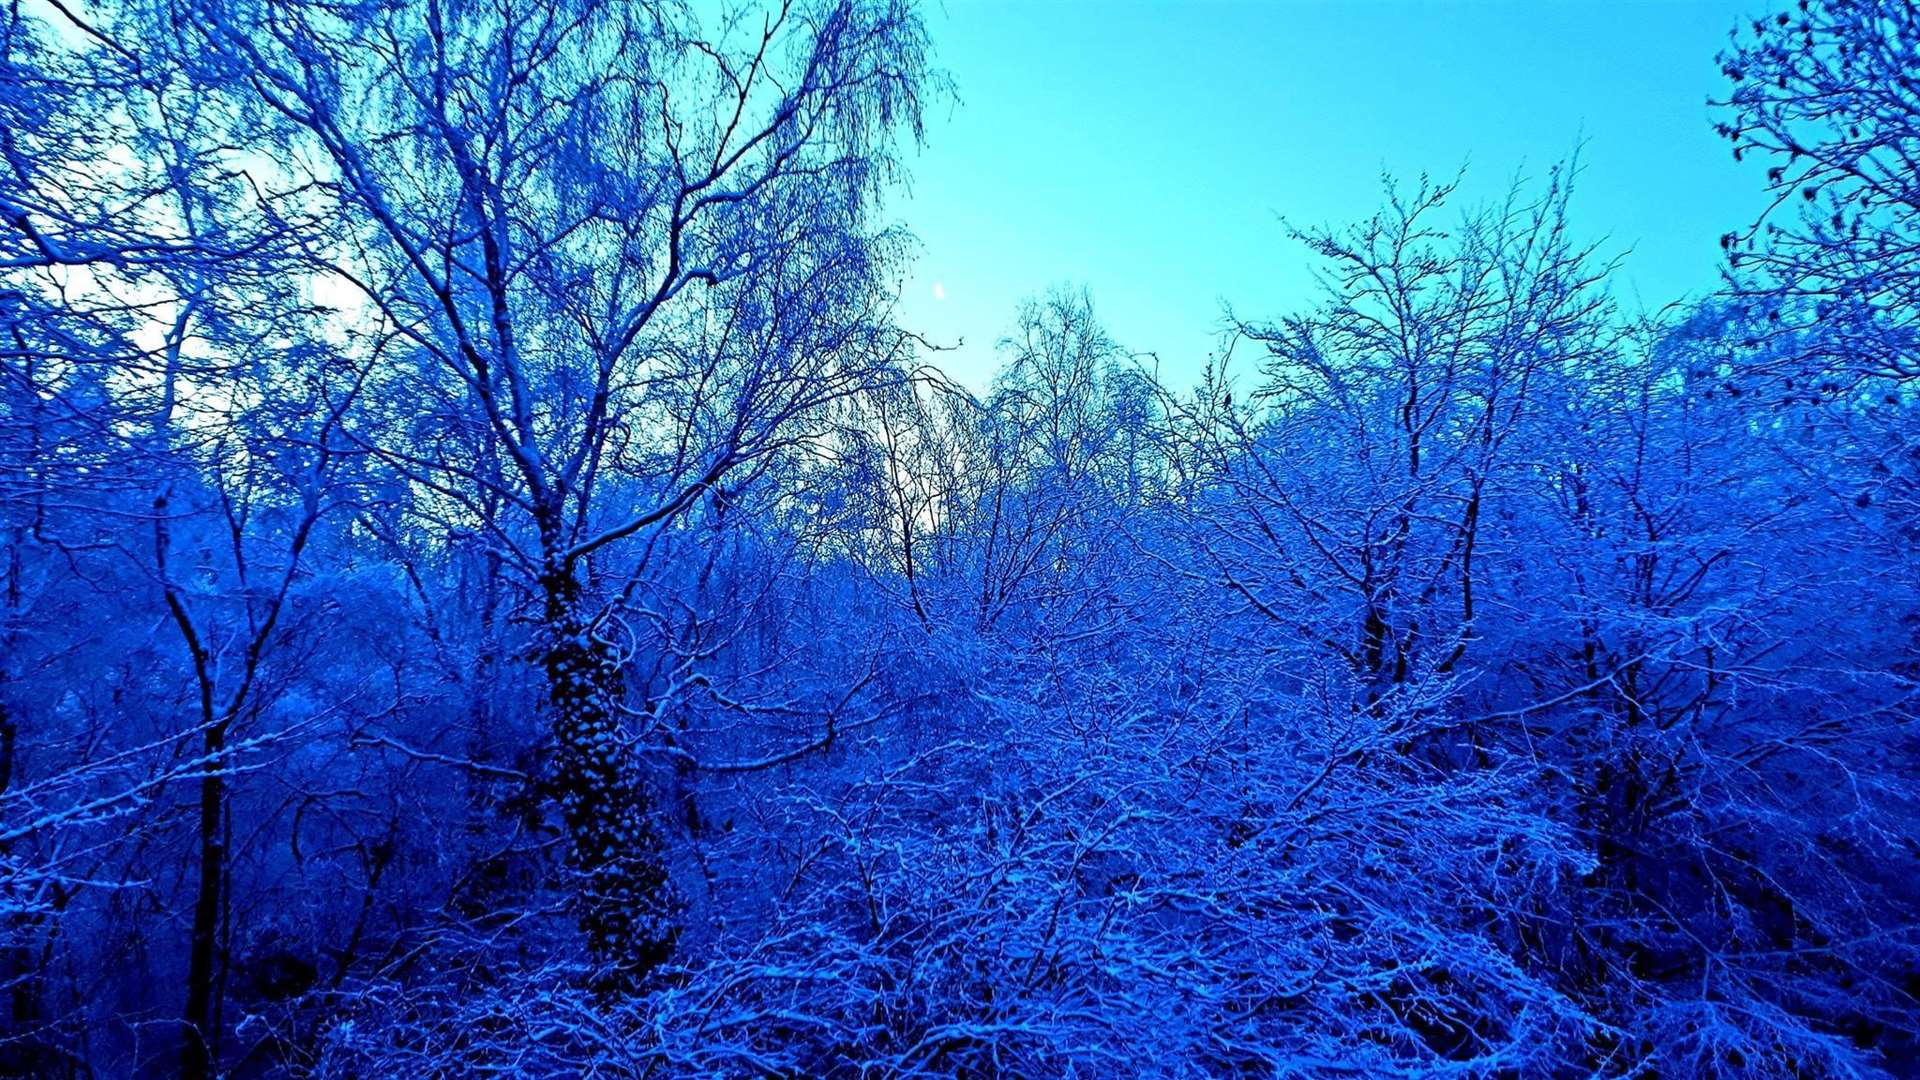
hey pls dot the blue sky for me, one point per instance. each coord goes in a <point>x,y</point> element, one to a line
<point>1147,150</point>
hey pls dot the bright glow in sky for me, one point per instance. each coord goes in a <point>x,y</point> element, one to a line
<point>1147,150</point>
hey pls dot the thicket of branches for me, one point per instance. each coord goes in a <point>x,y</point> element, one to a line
<point>491,588</point>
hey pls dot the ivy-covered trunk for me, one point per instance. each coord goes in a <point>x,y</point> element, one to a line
<point>627,904</point>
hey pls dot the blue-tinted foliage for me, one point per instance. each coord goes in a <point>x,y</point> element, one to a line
<point>490,587</point>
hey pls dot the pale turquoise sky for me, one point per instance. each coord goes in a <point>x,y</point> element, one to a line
<point>1146,149</point>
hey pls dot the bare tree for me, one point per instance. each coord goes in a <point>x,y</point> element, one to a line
<point>1827,94</point>
<point>625,260</point>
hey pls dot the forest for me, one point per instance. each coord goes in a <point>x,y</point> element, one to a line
<point>491,585</point>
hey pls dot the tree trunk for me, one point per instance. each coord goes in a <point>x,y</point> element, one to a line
<point>627,905</point>
<point>197,1060</point>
